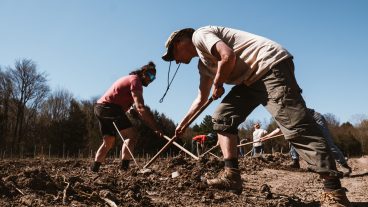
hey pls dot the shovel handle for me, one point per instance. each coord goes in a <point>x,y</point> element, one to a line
<point>262,139</point>
<point>182,148</point>
<point>208,102</point>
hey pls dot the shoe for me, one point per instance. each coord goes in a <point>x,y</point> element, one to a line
<point>228,180</point>
<point>346,169</point>
<point>95,167</point>
<point>124,166</point>
<point>336,198</point>
<point>294,164</point>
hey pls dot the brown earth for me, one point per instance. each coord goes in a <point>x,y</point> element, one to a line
<point>267,182</point>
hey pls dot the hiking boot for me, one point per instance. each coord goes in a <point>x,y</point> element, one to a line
<point>294,164</point>
<point>336,198</point>
<point>346,169</point>
<point>124,165</point>
<point>95,167</point>
<point>228,180</point>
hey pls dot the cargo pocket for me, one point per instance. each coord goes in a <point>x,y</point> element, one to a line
<point>225,124</point>
<point>276,105</point>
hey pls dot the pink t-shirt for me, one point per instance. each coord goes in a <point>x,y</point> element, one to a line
<point>120,92</point>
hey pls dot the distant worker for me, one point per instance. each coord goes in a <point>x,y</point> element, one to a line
<point>113,105</point>
<point>203,141</point>
<point>257,135</point>
<point>336,152</point>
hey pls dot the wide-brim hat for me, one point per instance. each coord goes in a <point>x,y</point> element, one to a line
<point>168,55</point>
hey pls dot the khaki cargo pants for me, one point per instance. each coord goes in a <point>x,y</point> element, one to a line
<point>279,92</point>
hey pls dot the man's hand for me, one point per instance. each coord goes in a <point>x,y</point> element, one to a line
<point>218,91</point>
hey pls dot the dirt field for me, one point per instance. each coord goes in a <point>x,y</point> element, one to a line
<point>267,182</point>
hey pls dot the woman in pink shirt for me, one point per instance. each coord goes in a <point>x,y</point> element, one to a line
<point>113,105</point>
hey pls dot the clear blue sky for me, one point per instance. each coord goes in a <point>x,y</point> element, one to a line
<point>85,45</point>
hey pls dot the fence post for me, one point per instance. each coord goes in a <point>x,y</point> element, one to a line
<point>34,151</point>
<point>21,151</point>
<point>49,151</point>
<point>63,151</point>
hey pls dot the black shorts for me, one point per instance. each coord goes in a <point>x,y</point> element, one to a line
<point>107,114</point>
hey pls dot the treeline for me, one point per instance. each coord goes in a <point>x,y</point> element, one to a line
<point>37,121</point>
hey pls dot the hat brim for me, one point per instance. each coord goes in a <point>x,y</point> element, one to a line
<point>168,56</point>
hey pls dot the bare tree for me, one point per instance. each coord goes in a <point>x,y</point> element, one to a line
<point>362,133</point>
<point>6,90</point>
<point>30,89</point>
<point>331,120</point>
<point>56,107</point>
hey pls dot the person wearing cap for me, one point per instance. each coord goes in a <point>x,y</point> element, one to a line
<point>262,72</point>
<point>257,135</point>
<point>120,98</point>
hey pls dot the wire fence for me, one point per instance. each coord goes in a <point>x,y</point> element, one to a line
<point>61,152</point>
<point>51,152</point>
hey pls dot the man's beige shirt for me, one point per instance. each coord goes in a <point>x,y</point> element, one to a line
<point>255,54</point>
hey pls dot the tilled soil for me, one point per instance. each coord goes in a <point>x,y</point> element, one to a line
<point>268,181</point>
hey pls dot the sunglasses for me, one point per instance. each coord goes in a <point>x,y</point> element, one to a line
<point>151,76</point>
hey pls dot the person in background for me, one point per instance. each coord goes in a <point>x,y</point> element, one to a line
<point>199,141</point>
<point>263,73</point>
<point>203,142</point>
<point>113,105</point>
<point>257,135</point>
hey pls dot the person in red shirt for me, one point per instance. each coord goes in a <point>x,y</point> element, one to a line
<point>203,141</point>
<point>113,105</point>
<point>200,139</point>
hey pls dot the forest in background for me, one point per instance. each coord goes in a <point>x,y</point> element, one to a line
<point>35,121</point>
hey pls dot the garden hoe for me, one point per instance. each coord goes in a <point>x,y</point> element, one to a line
<point>130,152</point>
<point>241,145</point>
<point>209,101</point>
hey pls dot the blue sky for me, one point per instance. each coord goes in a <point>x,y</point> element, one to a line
<point>85,45</point>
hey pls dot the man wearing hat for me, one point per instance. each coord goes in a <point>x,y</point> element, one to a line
<point>262,72</point>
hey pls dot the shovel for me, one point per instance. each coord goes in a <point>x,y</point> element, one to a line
<point>240,145</point>
<point>208,102</point>
<point>131,154</point>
